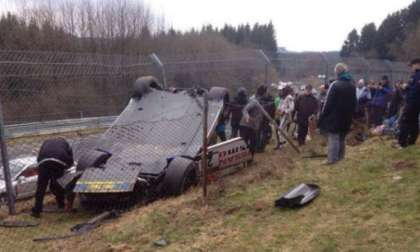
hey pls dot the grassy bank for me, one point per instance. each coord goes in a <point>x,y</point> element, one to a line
<point>370,202</point>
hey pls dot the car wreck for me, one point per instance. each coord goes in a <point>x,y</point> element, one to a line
<point>153,148</point>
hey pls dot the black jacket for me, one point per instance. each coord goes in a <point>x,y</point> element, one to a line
<point>57,148</point>
<point>236,108</point>
<point>339,108</point>
<point>305,106</point>
<point>413,91</point>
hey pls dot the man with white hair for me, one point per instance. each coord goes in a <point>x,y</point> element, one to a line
<point>337,114</point>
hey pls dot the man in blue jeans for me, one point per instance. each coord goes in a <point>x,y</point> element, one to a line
<point>337,114</point>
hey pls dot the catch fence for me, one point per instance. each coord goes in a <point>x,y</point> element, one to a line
<point>317,68</point>
<point>40,87</point>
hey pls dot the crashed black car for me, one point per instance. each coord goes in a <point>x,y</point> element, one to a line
<point>152,149</point>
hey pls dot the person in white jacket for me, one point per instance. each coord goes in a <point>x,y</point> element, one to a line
<point>285,110</point>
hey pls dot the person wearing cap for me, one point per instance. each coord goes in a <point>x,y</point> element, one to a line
<point>409,125</point>
<point>337,115</point>
<point>380,98</point>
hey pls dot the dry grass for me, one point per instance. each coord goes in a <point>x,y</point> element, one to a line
<point>361,208</point>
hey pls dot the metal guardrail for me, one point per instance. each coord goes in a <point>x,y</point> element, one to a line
<point>60,126</point>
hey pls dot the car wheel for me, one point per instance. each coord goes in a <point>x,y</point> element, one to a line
<point>181,174</point>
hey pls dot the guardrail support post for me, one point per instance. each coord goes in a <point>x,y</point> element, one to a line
<point>6,168</point>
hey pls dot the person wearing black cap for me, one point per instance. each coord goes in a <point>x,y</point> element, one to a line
<point>409,124</point>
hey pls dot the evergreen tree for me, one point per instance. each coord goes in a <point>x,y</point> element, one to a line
<point>367,38</point>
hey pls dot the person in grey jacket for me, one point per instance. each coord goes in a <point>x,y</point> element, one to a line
<point>251,120</point>
<point>337,115</point>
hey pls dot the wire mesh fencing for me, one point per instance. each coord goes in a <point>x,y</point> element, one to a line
<point>48,95</point>
<point>317,68</point>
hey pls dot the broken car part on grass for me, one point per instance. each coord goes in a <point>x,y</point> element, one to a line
<point>299,196</point>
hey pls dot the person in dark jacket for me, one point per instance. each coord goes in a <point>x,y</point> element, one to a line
<point>251,120</point>
<point>397,100</point>
<point>235,109</point>
<point>306,106</point>
<point>337,114</point>
<point>265,133</point>
<point>409,125</point>
<point>380,98</point>
<point>54,158</point>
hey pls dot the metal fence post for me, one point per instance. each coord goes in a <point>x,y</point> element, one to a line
<point>388,63</point>
<point>204,161</point>
<point>327,67</point>
<point>267,64</point>
<point>157,62</point>
<point>6,168</point>
<point>367,65</point>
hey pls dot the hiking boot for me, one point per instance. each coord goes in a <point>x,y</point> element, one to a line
<point>36,215</point>
<point>328,163</point>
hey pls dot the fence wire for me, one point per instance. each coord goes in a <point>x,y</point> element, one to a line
<point>317,68</point>
<point>43,88</point>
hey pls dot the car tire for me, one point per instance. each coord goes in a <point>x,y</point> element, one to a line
<point>180,175</point>
<point>93,158</point>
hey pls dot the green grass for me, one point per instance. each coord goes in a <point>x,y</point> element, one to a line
<point>361,208</point>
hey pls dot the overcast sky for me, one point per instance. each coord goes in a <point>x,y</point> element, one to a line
<point>301,25</point>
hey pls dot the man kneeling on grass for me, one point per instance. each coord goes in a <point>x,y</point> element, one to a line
<point>337,114</point>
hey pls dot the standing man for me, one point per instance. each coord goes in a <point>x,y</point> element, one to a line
<point>306,108</point>
<point>54,158</point>
<point>239,102</point>
<point>337,114</point>
<point>379,104</point>
<point>250,124</point>
<point>410,117</point>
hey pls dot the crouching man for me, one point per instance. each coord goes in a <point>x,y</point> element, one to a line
<point>54,158</point>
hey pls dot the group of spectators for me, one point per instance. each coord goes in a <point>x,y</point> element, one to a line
<point>390,109</point>
<point>335,109</point>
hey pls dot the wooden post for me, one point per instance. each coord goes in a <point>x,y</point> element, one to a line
<point>278,128</point>
<point>204,161</point>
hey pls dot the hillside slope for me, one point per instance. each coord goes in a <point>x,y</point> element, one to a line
<point>370,202</point>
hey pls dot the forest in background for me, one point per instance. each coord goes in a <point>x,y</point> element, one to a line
<point>396,38</point>
<point>124,27</point>
<point>106,45</point>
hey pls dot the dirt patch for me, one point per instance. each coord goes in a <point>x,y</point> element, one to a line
<point>403,165</point>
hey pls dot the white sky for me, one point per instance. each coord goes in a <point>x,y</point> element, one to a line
<point>301,25</point>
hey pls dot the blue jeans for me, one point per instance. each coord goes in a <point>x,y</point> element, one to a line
<point>336,147</point>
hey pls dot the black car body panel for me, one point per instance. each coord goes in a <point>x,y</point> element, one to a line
<point>148,134</point>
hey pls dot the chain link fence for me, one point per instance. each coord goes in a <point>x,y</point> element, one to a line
<point>316,68</point>
<point>44,88</point>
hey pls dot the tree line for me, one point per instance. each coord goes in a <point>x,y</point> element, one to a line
<point>117,27</point>
<point>396,38</point>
